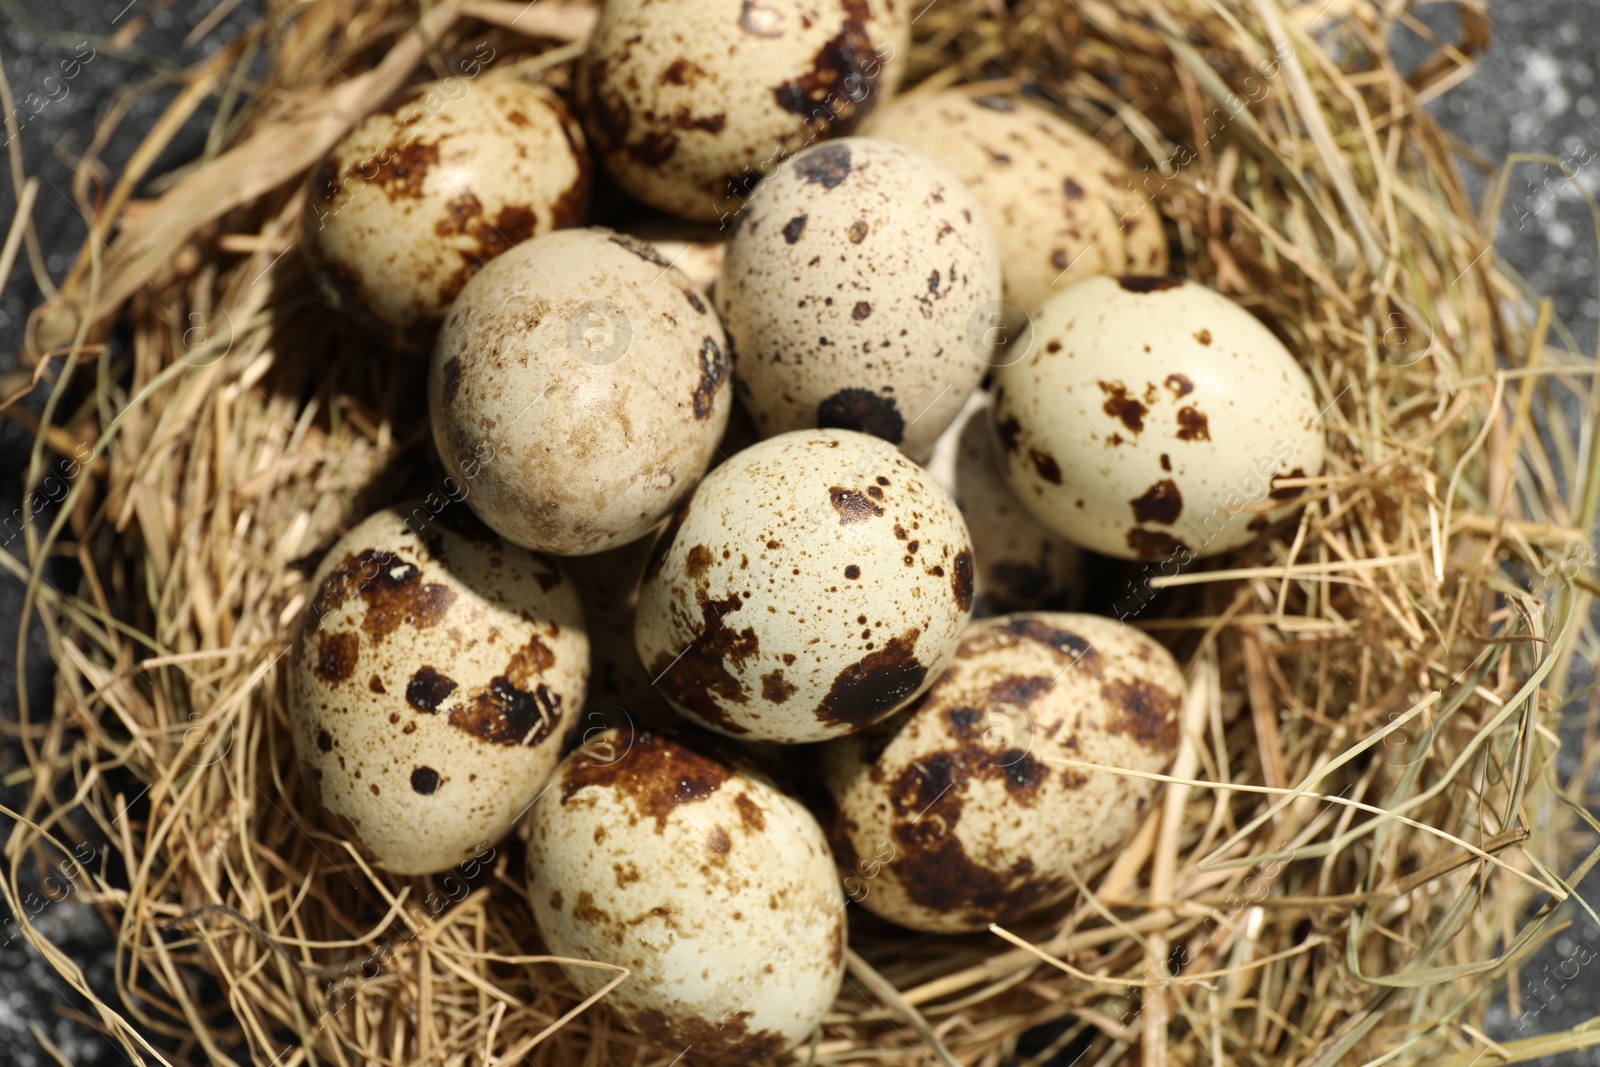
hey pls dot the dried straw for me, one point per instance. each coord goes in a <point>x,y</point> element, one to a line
<point>1365,830</point>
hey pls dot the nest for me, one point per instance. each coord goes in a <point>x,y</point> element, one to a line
<point>1365,830</point>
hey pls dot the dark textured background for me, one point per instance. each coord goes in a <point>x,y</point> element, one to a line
<point>1535,91</point>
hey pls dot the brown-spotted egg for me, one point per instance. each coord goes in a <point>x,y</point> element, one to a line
<point>417,197</point>
<point>958,813</point>
<point>1061,205</point>
<point>849,289</point>
<point>691,103</point>
<point>434,676</point>
<point>814,583</point>
<point>664,854</point>
<point>578,390</point>
<point>1152,417</point>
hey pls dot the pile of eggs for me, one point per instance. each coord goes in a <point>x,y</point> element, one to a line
<point>751,597</point>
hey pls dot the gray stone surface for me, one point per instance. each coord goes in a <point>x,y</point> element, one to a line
<point>1535,91</point>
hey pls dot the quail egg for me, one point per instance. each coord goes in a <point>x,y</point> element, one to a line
<point>433,678</point>
<point>579,388</point>
<point>957,814</point>
<point>1061,205</point>
<point>848,291</point>
<point>421,195</point>
<point>1150,414</point>
<point>814,583</point>
<point>1017,564</point>
<point>665,855</point>
<point>691,103</point>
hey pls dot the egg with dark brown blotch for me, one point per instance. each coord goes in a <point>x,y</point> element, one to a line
<point>1153,417</point>
<point>434,676</point>
<point>690,104</point>
<point>669,856</point>
<point>961,812</point>
<point>814,583</point>
<point>1063,207</point>
<point>850,289</point>
<point>419,196</point>
<point>1017,563</point>
<point>578,390</point>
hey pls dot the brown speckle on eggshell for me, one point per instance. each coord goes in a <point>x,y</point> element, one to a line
<point>463,660</point>
<point>419,196</point>
<point>860,316</point>
<point>728,861</point>
<point>957,801</point>
<point>691,104</point>
<point>1063,207</point>
<point>813,584</point>
<point>1167,410</point>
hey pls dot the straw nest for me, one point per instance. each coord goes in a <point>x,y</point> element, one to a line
<point>1363,833</point>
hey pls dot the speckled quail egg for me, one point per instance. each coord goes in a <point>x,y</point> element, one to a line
<point>665,855</point>
<point>848,290</point>
<point>421,195</point>
<point>1017,564</point>
<point>434,675</point>
<point>579,388</point>
<point>958,814</point>
<point>1148,417</point>
<point>814,583</point>
<point>1061,205</point>
<point>691,103</point>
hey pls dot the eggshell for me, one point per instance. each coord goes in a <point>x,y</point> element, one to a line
<point>434,676</point>
<point>691,103</point>
<point>1149,414</point>
<point>666,855</point>
<point>849,289</point>
<point>418,197</point>
<point>1062,206</point>
<point>953,815</point>
<point>579,388</point>
<point>814,583</point>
